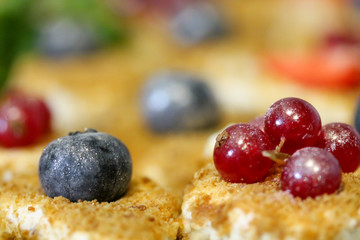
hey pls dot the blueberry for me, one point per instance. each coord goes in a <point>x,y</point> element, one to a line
<point>86,166</point>
<point>63,38</point>
<point>356,3</point>
<point>175,101</point>
<point>357,116</point>
<point>197,22</point>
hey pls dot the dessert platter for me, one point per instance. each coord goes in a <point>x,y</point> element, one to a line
<point>209,121</point>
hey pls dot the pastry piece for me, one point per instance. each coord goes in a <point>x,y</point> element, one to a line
<point>146,211</point>
<point>215,209</point>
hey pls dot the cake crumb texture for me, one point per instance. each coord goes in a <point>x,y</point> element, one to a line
<point>145,212</point>
<point>262,210</point>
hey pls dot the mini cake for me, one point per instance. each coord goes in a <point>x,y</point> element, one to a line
<point>282,176</point>
<point>215,209</point>
<point>146,211</point>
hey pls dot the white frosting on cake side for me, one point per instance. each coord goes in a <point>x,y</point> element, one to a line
<point>31,219</point>
<point>7,176</point>
<point>240,228</point>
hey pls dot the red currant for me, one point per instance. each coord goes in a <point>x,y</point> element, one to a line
<point>343,141</point>
<point>23,120</point>
<point>36,110</point>
<point>238,154</point>
<point>258,122</point>
<point>310,172</point>
<point>340,39</point>
<point>295,120</point>
<point>149,6</point>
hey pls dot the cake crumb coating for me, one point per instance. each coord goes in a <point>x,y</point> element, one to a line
<point>218,208</point>
<point>146,211</point>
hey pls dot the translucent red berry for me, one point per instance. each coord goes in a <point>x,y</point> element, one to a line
<point>258,122</point>
<point>13,126</point>
<point>36,110</point>
<point>340,39</point>
<point>343,141</point>
<point>295,120</point>
<point>238,154</point>
<point>311,172</point>
<point>23,120</point>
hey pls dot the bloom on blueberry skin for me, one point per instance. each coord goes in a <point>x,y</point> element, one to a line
<point>86,166</point>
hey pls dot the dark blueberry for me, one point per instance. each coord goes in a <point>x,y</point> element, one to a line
<point>86,166</point>
<point>197,22</point>
<point>356,3</point>
<point>357,116</point>
<point>175,101</point>
<point>63,37</point>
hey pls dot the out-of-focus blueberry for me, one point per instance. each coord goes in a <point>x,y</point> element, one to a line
<point>356,3</point>
<point>175,101</point>
<point>86,166</point>
<point>357,116</point>
<point>197,22</point>
<point>63,37</point>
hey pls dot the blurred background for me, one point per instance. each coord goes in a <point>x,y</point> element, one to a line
<point>90,60</point>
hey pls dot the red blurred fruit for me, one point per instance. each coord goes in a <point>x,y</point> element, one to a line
<point>167,7</point>
<point>335,67</point>
<point>23,120</point>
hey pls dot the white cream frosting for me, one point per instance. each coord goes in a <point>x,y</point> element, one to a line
<point>241,228</point>
<point>33,220</point>
<point>7,176</point>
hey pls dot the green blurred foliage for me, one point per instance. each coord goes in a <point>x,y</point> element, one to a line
<point>20,19</point>
<point>93,12</point>
<point>16,34</point>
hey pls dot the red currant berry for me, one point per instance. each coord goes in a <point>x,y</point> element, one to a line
<point>13,126</point>
<point>23,120</point>
<point>343,141</point>
<point>340,39</point>
<point>310,172</point>
<point>149,6</point>
<point>258,122</point>
<point>238,154</point>
<point>36,110</point>
<point>295,120</point>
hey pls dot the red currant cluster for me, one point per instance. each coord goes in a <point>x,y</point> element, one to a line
<point>290,133</point>
<point>23,119</point>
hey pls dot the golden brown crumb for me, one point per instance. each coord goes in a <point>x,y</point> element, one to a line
<point>145,212</point>
<point>271,210</point>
